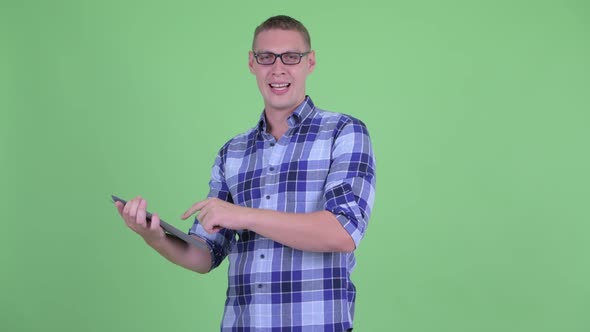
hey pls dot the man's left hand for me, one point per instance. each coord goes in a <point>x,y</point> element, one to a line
<point>215,214</point>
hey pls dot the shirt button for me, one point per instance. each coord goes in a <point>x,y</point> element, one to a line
<point>262,256</point>
<point>271,169</point>
<point>267,196</point>
<point>272,144</point>
<point>259,285</point>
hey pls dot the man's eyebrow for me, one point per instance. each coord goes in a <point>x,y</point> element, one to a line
<point>288,51</point>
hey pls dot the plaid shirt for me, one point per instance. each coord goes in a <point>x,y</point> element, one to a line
<point>323,162</point>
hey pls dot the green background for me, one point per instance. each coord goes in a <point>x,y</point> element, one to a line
<point>478,112</point>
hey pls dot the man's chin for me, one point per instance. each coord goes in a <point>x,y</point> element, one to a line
<point>280,107</point>
<point>281,104</point>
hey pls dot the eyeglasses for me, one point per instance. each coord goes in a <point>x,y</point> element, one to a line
<point>288,58</point>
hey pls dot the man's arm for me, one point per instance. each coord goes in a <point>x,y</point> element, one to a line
<point>170,247</point>
<point>183,254</point>
<point>317,231</point>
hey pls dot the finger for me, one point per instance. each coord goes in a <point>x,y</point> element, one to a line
<point>130,212</point>
<point>209,229</point>
<point>126,210</point>
<point>203,214</point>
<point>207,221</point>
<point>196,207</point>
<point>126,214</point>
<point>212,228</point>
<point>131,207</point>
<point>155,223</point>
<point>140,216</point>
<point>120,206</point>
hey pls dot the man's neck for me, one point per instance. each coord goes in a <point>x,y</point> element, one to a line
<point>276,122</point>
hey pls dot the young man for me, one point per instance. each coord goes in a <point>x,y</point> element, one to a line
<point>289,201</point>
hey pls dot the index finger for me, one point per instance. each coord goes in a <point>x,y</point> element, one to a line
<point>196,207</point>
<point>120,207</point>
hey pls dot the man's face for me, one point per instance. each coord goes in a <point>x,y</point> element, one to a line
<point>282,86</point>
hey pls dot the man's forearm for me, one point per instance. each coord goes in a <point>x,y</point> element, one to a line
<point>183,254</point>
<point>317,231</point>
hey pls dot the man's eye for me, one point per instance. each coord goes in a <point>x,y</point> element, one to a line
<point>265,57</point>
<point>291,57</point>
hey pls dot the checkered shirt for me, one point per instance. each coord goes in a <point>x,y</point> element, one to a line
<point>323,162</point>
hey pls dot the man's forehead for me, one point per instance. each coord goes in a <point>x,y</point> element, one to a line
<point>276,40</point>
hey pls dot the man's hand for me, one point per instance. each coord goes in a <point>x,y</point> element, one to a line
<point>216,214</point>
<point>134,214</point>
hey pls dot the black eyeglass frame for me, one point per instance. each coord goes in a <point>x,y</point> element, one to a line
<point>301,55</point>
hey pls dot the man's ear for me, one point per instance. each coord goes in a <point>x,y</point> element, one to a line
<point>251,61</point>
<point>311,61</point>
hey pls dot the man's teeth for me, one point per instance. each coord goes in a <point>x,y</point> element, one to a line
<point>279,86</point>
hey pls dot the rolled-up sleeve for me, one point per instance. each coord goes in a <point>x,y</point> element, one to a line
<point>350,187</point>
<point>219,243</point>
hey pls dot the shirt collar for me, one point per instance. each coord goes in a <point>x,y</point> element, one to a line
<point>304,110</point>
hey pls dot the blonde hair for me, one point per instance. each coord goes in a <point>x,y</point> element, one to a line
<point>283,22</point>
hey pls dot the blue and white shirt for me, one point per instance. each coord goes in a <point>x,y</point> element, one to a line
<point>323,162</point>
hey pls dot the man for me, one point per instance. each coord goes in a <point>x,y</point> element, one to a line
<point>289,201</point>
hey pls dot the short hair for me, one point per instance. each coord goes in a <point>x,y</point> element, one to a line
<point>283,22</point>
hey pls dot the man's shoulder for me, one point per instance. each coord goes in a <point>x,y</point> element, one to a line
<point>239,141</point>
<point>331,119</point>
<point>243,136</point>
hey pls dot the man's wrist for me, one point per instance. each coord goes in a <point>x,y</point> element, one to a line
<point>249,218</point>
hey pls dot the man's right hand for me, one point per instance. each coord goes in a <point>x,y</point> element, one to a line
<point>134,214</point>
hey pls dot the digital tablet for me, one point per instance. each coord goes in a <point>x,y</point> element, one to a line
<point>169,229</point>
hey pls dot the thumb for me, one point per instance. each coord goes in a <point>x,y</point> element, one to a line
<point>155,223</point>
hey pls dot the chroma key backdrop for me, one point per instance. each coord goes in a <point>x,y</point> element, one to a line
<point>478,112</point>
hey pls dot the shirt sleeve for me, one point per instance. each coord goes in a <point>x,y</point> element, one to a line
<point>350,189</point>
<point>219,243</point>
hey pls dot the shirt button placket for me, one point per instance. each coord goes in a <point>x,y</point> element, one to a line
<point>270,175</point>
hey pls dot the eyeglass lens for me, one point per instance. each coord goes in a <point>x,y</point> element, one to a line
<point>289,58</point>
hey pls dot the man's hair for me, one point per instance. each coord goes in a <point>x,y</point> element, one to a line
<point>283,22</point>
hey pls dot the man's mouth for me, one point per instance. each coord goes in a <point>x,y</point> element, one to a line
<point>279,86</point>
